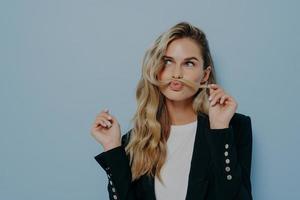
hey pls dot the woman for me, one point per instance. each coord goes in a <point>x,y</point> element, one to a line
<point>187,142</point>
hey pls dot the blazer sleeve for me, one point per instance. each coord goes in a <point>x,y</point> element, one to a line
<point>116,164</point>
<point>231,160</point>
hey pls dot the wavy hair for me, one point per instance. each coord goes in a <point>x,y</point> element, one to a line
<point>151,124</point>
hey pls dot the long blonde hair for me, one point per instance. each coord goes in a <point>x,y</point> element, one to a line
<point>151,123</point>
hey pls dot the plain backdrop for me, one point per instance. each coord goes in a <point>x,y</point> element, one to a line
<point>63,61</point>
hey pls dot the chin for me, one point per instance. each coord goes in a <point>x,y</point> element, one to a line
<point>172,96</point>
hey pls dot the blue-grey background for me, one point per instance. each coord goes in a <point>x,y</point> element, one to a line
<point>63,61</point>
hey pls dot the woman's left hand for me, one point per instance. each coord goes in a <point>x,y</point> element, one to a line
<point>222,107</point>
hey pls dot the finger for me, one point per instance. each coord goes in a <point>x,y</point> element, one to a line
<point>105,115</point>
<point>99,122</point>
<point>216,98</point>
<point>223,98</point>
<point>230,100</point>
<point>213,94</point>
<point>104,121</point>
<point>212,85</point>
<point>214,88</point>
<point>108,123</point>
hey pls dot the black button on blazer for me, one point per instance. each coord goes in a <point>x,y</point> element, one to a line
<point>220,166</point>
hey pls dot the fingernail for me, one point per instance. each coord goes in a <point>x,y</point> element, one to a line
<point>109,117</point>
<point>209,98</point>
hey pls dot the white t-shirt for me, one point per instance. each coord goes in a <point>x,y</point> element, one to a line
<point>175,171</point>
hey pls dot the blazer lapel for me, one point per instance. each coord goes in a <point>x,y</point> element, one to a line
<point>198,182</point>
<point>145,188</point>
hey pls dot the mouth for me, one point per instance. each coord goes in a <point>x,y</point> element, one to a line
<point>176,85</point>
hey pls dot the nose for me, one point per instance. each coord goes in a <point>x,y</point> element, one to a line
<point>177,72</point>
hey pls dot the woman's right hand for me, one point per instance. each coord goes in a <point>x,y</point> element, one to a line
<point>106,130</point>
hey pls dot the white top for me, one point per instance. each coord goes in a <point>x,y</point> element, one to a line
<point>175,171</point>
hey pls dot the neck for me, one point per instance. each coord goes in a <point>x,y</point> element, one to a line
<point>181,112</point>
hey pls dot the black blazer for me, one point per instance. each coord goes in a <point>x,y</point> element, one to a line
<point>220,166</point>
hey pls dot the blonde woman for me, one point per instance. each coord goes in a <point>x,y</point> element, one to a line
<point>187,141</point>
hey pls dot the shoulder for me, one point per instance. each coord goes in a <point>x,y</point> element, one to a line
<point>237,120</point>
<point>240,120</point>
<point>241,126</point>
<point>241,123</point>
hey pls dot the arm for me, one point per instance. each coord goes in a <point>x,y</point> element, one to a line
<point>231,160</point>
<point>116,164</point>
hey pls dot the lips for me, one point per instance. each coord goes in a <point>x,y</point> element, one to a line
<point>176,85</point>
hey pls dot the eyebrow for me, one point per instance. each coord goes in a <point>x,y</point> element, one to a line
<point>189,58</point>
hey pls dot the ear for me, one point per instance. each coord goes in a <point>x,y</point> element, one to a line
<point>206,74</point>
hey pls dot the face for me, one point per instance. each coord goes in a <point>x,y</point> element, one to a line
<point>182,58</point>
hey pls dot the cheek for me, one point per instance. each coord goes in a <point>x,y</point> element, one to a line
<point>159,76</point>
<point>194,76</point>
<point>167,72</point>
<point>162,75</point>
<point>197,79</point>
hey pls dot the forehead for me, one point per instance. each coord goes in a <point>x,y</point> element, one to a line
<point>183,48</point>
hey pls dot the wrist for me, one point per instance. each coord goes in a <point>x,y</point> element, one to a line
<point>218,125</point>
<point>110,146</point>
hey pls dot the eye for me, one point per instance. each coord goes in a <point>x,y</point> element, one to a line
<point>189,63</point>
<point>167,62</point>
